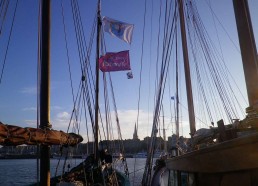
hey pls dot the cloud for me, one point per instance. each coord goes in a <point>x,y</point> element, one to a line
<point>53,108</point>
<point>127,120</point>
<point>62,116</point>
<point>61,120</point>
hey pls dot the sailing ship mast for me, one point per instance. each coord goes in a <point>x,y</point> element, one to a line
<point>45,92</point>
<point>177,97</point>
<point>187,69</point>
<point>96,130</point>
<point>248,50</point>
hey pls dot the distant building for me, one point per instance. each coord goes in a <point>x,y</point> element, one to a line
<point>135,135</point>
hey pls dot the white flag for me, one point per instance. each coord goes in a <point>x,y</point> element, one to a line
<point>119,29</point>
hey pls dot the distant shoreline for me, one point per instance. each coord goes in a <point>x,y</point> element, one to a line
<point>19,156</point>
<point>34,156</point>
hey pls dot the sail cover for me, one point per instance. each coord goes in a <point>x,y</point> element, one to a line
<point>14,135</point>
<point>115,61</point>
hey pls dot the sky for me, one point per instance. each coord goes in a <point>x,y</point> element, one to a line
<point>18,88</point>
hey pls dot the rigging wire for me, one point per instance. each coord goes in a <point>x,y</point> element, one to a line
<point>214,68</point>
<point>38,84</point>
<point>9,39</point>
<point>204,48</point>
<point>87,85</point>
<point>83,57</point>
<point>213,17</point>
<point>223,61</point>
<point>3,13</point>
<point>150,65</point>
<point>140,82</point>
<point>77,110</point>
<point>67,53</point>
<point>118,125</point>
<point>214,14</point>
<point>167,46</point>
<point>69,68</point>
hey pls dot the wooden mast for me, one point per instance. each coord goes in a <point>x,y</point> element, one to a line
<point>96,130</point>
<point>187,70</point>
<point>177,97</point>
<point>45,92</point>
<point>248,49</point>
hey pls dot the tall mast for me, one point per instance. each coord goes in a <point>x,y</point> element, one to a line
<point>96,130</point>
<point>248,49</point>
<point>45,91</point>
<point>187,70</point>
<point>177,97</point>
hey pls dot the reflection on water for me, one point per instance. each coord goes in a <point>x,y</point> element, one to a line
<point>24,171</point>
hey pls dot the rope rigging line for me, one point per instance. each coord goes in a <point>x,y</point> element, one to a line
<point>81,42</point>
<point>150,65</point>
<point>107,110</point>
<point>4,8</point>
<point>86,121</point>
<point>69,69</point>
<point>140,82</point>
<point>212,68</point>
<point>167,47</point>
<point>38,84</point>
<point>216,29</point>
<point>67,52</point>
<point>88,83</point>
<point>202,68</point>
<point>84,59</point>
<point>77,27</point>
<point>83,91</point>
<point>9,39</point>
<point>199,79</point>
<point>165,67</point>
<point>214,15</point>
<point>215,68</point>
<point>71,84</point>
<point>107,107</point>
<point>118,124</point>
<point>231,107</point>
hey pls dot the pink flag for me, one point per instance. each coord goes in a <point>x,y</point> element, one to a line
<point>115,61</point>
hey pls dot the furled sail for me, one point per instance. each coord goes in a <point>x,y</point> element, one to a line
<point>14,135</point>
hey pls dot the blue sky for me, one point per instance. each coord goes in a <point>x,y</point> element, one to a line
<point>18,86</point>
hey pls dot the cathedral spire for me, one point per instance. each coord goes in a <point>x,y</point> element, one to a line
<point>135,136</point>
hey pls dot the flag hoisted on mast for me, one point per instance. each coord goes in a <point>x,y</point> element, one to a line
<point>115,61</point>
<point>129,75</point>
<point>119,29</point>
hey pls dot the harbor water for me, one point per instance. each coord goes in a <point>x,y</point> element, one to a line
<point>22,172</point>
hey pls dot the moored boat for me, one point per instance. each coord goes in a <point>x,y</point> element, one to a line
<point>220,155</point>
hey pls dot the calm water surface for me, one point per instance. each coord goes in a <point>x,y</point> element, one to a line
<point>24,171</point>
